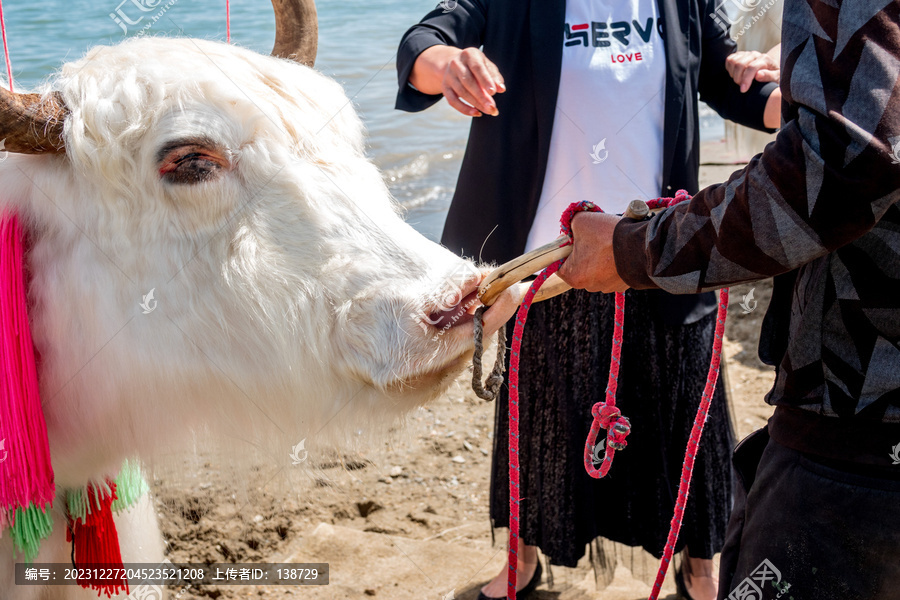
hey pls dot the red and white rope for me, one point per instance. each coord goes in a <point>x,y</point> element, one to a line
<point>228,21</point>
<point>9,74</point>
<point>606,415</point>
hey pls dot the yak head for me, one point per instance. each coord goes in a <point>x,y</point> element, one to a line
<point>209,245</point>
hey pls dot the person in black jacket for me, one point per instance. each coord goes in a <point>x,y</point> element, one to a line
<point>581,100</point>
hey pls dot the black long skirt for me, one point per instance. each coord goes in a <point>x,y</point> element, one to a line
<point>563,373</point>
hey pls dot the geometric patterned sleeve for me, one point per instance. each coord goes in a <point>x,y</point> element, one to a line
<point>826,180</point>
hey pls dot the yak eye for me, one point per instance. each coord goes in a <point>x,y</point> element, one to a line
<point>191,161</point>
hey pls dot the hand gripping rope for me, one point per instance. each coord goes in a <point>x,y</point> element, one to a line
<point>606,415</point>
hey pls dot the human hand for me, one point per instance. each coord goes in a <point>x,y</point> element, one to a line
<point>747,66</point>
<point>591,265</point>
<point>461,76</point>
<point>470,76</point>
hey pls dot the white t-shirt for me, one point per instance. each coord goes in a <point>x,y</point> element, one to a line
<point>607,138</point>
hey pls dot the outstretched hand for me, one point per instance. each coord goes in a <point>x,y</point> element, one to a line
<point>470,76</point>
<point>591,265</point>
<point>466,78</point>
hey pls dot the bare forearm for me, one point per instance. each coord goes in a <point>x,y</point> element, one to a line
<point>772,114</point>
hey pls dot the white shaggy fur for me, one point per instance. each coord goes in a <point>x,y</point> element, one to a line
<point>286,288</point>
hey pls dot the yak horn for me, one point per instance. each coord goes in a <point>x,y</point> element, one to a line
<point>296,30</point>
<point>31,123</point>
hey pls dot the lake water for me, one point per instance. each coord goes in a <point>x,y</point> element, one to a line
<point>419,153</point>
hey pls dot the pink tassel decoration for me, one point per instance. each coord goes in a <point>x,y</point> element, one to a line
<point>26,475</point>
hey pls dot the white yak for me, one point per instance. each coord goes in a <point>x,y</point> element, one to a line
<point>287,291</point>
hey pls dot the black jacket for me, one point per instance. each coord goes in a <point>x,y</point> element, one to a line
<point>502,172</point>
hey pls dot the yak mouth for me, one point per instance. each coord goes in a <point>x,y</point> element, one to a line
<point>453,328</point>
<point>460,314</point>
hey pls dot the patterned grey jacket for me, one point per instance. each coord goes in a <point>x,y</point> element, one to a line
<point>820,205</point>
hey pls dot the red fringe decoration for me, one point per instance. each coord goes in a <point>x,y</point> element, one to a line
<point>96,544</point>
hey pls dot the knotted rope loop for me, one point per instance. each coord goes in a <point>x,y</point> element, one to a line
<point>617,429</point>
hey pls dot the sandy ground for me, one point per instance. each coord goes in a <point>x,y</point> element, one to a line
<point>409,520</point>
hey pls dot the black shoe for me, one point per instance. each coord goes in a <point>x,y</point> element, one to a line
<point>681,588</point>
<point>523,593</point>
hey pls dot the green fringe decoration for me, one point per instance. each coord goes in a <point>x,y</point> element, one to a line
<point>75,503</point>
<point>130,486</point>
<point>29,527</point>
<point>78,500</point>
